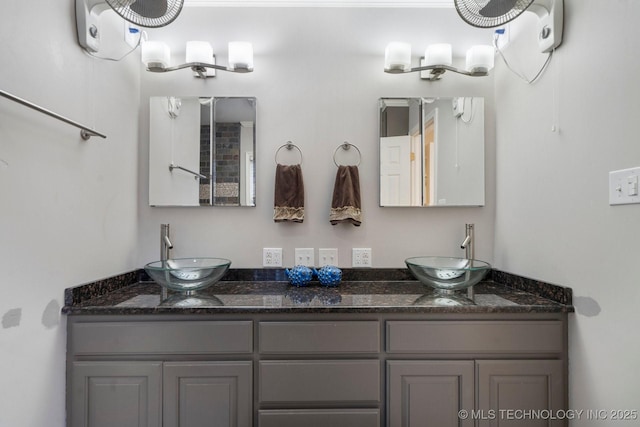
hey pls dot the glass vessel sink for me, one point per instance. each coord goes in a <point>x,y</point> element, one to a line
<point>187,274</point>
<point>447,275</point>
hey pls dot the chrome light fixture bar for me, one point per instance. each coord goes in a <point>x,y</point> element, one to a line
<point>437,60</point>
<point>199,57</point>
<point>199,68</point>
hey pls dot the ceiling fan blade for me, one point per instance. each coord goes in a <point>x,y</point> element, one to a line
<point>150,8</point>
<point>497,8</point>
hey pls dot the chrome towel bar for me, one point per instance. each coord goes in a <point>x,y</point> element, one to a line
<point>85,132</point>
<point>197,175</point>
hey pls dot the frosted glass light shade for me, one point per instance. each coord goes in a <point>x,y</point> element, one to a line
<point>438,54</point>
<point>397,56</point>
<point>155,53</point>
<point>240,55</point>
<point>198,51</point>
<point>480,58</point>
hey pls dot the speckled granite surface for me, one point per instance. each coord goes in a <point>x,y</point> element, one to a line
<point>362,291</point>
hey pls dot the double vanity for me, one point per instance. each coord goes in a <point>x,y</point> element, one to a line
<point>380,349</point>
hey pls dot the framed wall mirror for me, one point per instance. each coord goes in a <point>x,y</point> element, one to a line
<point>202,151</point>
<point>432,151</point>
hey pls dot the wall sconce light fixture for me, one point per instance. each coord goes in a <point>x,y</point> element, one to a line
<point>437,60</point>
<point>199,57</point>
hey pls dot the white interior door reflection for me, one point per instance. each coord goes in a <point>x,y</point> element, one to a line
<point>395,171</point>
<point>432,151</point>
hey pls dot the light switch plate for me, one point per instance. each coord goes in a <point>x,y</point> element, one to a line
<point>327,256</point>
<point>622,186</point>
<point>305,256</point>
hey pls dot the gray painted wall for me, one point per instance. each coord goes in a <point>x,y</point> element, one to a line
<point>318,77</point>
<point>553,220</point>
<point>68,207</point>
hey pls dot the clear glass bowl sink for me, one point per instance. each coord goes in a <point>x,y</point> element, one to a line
<point>447,274</point>
<point>187,274</point>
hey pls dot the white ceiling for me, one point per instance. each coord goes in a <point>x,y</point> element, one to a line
<point>321,3</point>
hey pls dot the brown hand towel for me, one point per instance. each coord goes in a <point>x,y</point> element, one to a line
<point>345,205</point>
<point>289,194</point>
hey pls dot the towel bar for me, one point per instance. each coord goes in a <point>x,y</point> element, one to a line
<point>197,175</point>
<point>85,132</point>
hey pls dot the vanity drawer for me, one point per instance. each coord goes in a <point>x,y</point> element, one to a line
<point>319,337</point>
<point>320,418</point>
<point>188,337</point>
<point>320,382</point>
<point>475,336</point>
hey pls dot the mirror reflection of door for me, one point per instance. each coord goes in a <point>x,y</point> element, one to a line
<point>400,152</point>
<point>250,180</point>
<point>395,171</point>
<point>416,166</point>
<point>432,151</point>
<point>429,158</point>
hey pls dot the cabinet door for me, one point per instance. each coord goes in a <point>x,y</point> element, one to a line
<point>208,394</point>
<point>429,393</point>
<point>520,392</point>
<point>123,394</point>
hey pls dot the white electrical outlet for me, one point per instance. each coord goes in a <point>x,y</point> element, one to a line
<point>305,256</point>
<point>361,257</point>
<point>327,256</point>
<point>272,257</point>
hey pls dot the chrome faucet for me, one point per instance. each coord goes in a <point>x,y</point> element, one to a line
<point>165,242</point>
<point>165,251</point>
<point>468,246</point>
<point>468,242</point>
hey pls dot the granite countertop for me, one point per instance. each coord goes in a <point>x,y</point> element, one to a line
<point>265,291</point>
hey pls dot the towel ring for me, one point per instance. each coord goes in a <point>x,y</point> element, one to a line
<point>289,146</point>
<point>346,146</point>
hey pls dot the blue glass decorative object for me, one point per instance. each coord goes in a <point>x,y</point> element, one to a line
<point>299,275</point>
<point>329,275</point>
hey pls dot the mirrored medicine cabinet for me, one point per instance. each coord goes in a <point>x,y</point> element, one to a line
<point>202,151</point>
<point>432,151</point>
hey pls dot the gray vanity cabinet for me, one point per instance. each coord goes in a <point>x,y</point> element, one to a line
<point>320,373</point>
<point>433,390</point>
<point>131,371</point>
<point>211,394</point>
<point>370,369</point>
<point>438,391</point>
<point>123,394</point>
<point>493,369</point>
<point>524,385</point>
<point>154,394</point>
